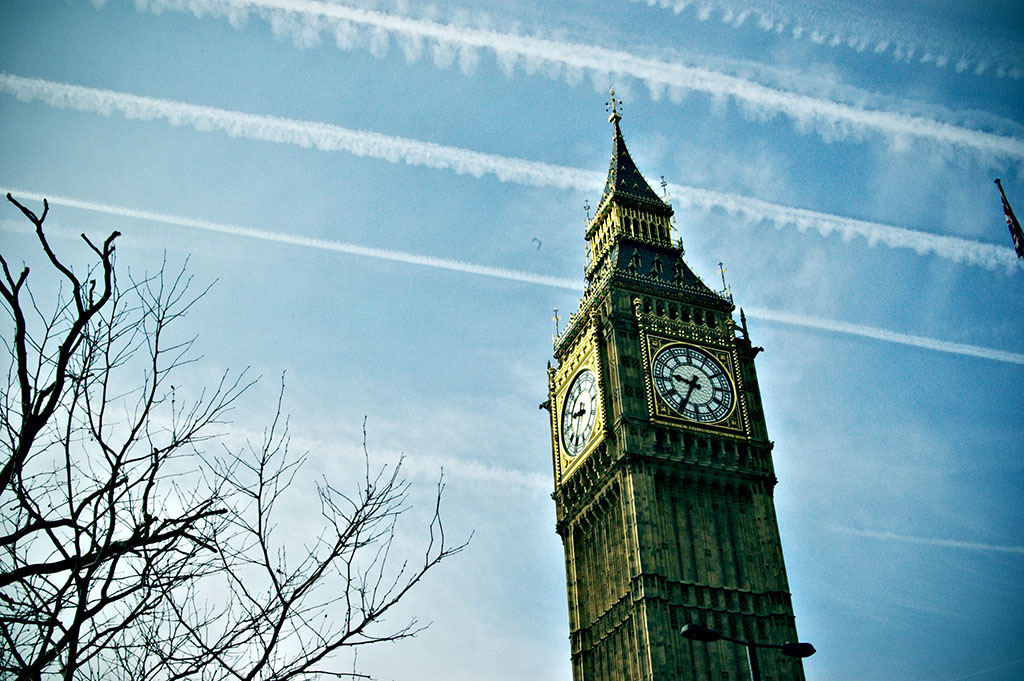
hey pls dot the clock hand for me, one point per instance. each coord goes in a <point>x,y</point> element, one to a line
<point>574,421</point>
<point>693,385</point>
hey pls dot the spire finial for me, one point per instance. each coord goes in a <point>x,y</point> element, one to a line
<point>613,105</point>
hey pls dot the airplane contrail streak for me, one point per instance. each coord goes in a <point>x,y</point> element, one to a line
<point>949,543</point>
<point>327,137</point>
<point>863,29</point>
<point>832,117</point>
<point>885,335</point>
<point>782,317</point>
<point>306,242</point>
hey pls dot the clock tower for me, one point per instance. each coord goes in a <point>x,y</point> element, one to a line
<point>662,463</point>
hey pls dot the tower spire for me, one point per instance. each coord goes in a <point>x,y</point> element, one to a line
<point>625,183</point>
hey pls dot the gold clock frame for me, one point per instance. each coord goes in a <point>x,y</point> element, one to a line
<point>661,411</point>
<point>657,333</point>
<point>585,355</point>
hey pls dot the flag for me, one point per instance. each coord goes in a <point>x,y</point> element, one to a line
<point>1011,221</point>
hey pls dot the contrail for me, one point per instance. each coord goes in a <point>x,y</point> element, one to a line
<point>860,30</point>
<point>328,137</point>
<point>307,242</point>
<point>754,210</point>
<point>885,335</point>
<point>426,465</point>
<point>986,670</point>
<point>950,543</point>
<point>830,118</point>
<point>512,275</point>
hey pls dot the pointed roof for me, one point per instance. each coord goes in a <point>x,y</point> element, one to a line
<point>625,183</point>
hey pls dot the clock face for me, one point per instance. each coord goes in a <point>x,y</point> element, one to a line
<point>579,413</point>
<point>692,383</point>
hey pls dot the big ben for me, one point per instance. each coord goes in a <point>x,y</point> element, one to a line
<point>662,464</point>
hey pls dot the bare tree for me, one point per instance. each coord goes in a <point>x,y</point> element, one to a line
<point>129,551</point>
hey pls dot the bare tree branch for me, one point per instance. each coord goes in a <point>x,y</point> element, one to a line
<point>126,551</point>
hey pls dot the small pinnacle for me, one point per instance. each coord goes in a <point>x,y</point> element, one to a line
<point>613,104</point>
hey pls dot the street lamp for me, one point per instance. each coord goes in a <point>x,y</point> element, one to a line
<point>696,632</point>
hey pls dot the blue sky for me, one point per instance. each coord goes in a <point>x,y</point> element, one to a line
<point>390,198</point>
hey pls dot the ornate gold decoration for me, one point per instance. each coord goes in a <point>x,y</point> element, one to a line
<point>584,355</point>
<point>658,332</point>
